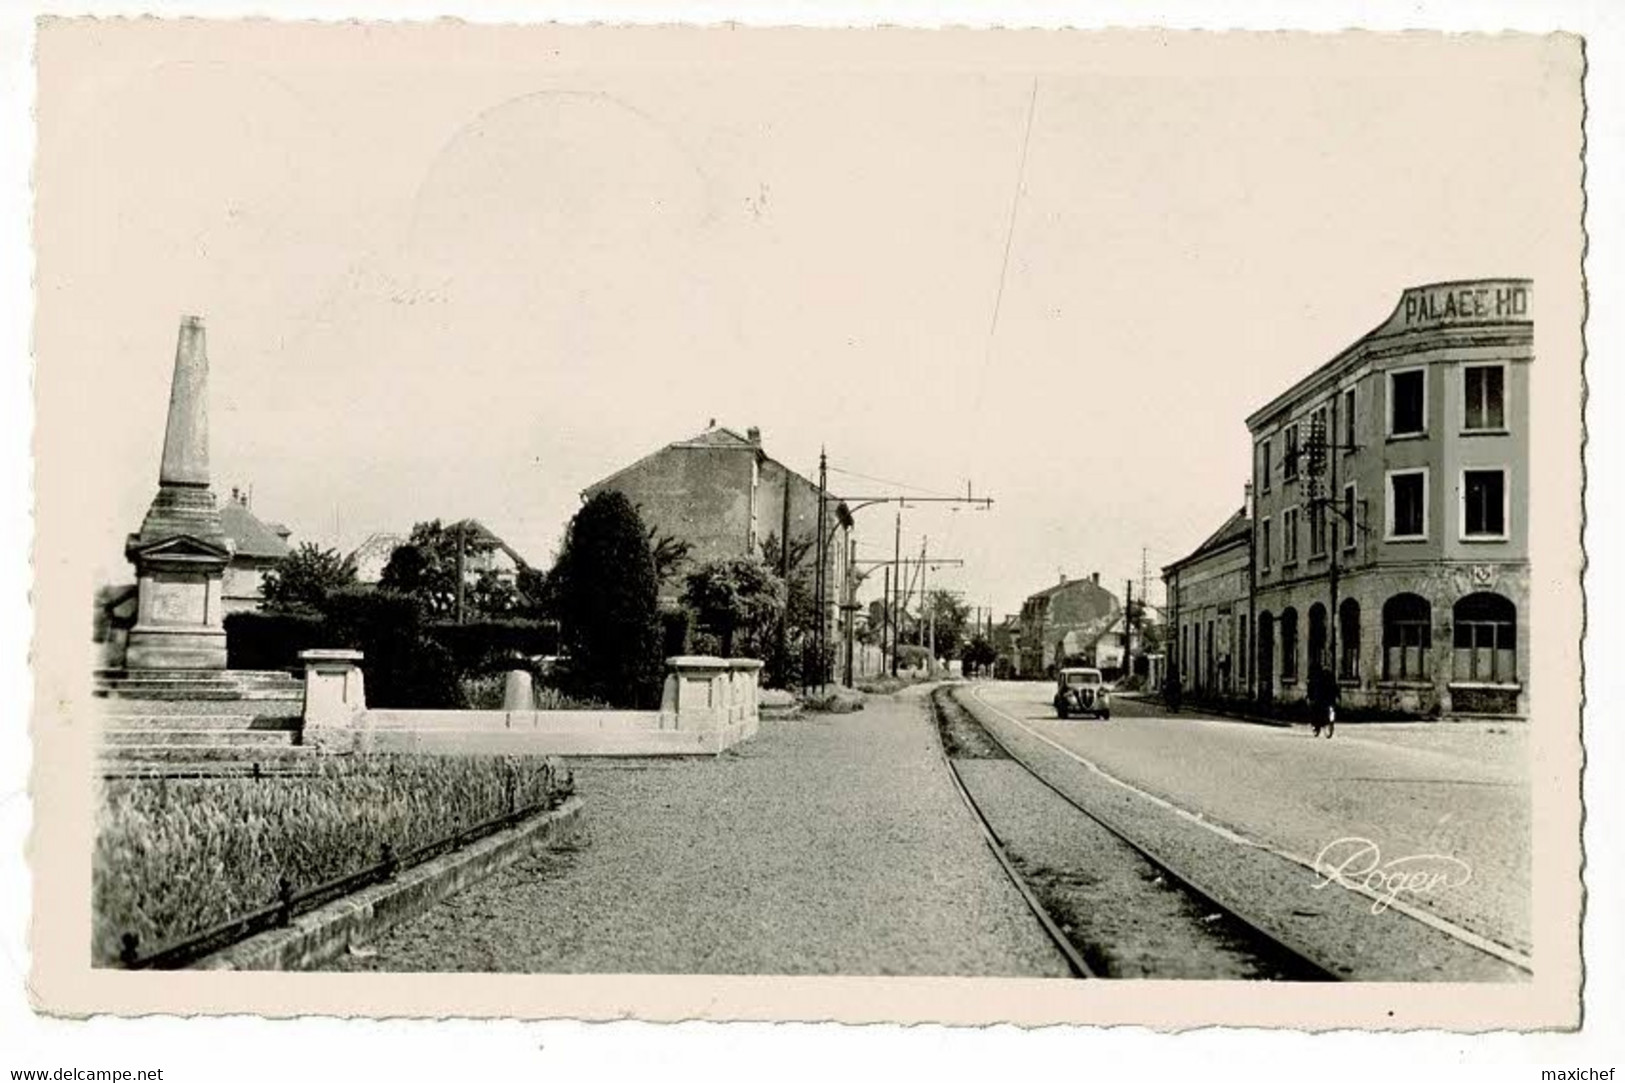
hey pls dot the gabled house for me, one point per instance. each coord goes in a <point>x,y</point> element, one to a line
<point>723,495</point>
<point>256,547</point>
<point>1070,623</point>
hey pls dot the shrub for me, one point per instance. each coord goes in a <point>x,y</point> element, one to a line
<point>604,587</point>
<point>404,667</point>
<point>912,656</point>
<point>174,858</point>
<point>490,646</point>
<point>676,628</point>
<point>484,692</point>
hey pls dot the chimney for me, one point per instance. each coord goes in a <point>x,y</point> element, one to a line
<point>1063,579</point>
<point>1094,577</point>
<point>754,435</point>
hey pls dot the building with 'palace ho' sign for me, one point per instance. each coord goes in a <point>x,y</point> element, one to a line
<point>1387,534</point>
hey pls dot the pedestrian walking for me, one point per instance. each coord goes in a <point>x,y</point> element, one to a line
<point>1323,694</point>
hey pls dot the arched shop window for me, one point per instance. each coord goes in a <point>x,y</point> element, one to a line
<point>1486,639</point>
<point>1407,638</point>
<point>1289,644</point>
<point>1348,640</point>
<point>1265,650</point>
<point>1317,638</point>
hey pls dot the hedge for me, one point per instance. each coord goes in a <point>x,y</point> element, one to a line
<point>408,663</point>
<point>256,640</point>
<point>490,646</point>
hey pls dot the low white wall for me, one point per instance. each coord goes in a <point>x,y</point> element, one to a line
<point>707,705</point>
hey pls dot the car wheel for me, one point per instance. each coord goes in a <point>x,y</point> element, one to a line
<point>1105,716</point>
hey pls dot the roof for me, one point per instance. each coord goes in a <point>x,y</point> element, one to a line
<point>1236,529</point>
<point>482,535</point>
<point>252,538</point>
<point>716,437</point>
<point>382,545</point>
<point>1056,588</point>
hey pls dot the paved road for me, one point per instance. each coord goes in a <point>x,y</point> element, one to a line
<point>832,844</point>
<point>1454,789</point>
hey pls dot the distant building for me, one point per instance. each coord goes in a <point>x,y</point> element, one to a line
<point>1208,594</point>
<point>372,556</point>
<point>486,551</point>
<point>1076,622</point>
<point>724,495</point>
<point>256,548</point>
<point>1006,640</point>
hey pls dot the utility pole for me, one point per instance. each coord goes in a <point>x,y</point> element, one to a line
<point>851,601</point>
<point>923,602</point>
<point>885,616</point>
<point>897,562</point>
<point>1326,518</point>
<point>823,613</point>
<point>1129,621</point>
<point>1250,498</point>
<point>784,574</point>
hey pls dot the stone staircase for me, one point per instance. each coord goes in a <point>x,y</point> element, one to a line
<point>203,723</point>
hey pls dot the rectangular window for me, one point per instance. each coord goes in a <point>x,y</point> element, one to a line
<point>1289,536</point>
<point>1317,530</point>
<point>1348,420</point>
<point>1289,460</point>
<point>1485,398</point>
<point>1264,544</point>
<point>1264,467</point>
<point>1407,403</point>
<point>1350,525</point>
<point>1407,504</point>
<point>1483,512</point>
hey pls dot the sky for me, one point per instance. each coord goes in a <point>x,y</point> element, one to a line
<point>469,273</point>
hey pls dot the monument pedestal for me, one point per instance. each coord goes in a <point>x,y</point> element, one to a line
<point>179,608</point>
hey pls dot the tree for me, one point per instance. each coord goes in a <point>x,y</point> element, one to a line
<point>304,578</point>
<point>604,594</point>
<point>425,567</point>
<point>669,554</point>
<point>979,655</point>
<point>733,596</point>
<point>950,616</point>
<point>780,652</point>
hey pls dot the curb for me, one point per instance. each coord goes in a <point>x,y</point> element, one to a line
<point>329,930</point>
<point>1197,710</point>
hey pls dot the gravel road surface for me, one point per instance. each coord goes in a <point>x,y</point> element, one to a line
<point>830,844</point>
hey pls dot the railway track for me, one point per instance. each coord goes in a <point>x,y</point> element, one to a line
<point>1178,923</point>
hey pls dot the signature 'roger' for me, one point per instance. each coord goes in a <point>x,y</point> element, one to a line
<point>1357,863</point>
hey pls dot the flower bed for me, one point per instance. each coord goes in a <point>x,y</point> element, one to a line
<point>176,857</point>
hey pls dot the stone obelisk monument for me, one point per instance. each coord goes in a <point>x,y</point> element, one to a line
<point>181,552</point>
